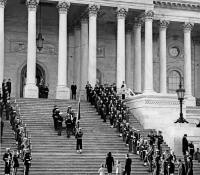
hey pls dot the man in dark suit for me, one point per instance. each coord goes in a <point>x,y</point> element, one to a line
<point>184,144</point>
<point>9,86</point>
<point>128,165</point>
<point>73,88</point>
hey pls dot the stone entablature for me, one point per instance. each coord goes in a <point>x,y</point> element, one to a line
<point>133,4</point>
<point>178,5</point>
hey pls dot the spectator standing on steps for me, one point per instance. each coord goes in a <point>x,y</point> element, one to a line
<point>128,165</point>
<point>15,162</point>
<point>7,157</point>
<point>101,170</point>
<point>109,163</point>
<point>9,86</point>
<point>73,89</point>
<point>118,168</point>
<point>184,144</point>
<point>79,136</point>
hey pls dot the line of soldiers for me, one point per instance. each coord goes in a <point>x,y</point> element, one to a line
<point>23,142</point>
<point>72,125</point>
<point>108,103</point>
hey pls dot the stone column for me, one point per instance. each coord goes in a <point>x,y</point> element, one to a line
<point>148,69</point>
<point>2,7</point>
<point>120,75</point>
<point>92,62</point>
<point>30,89</point>
<point>128,55</point>
<point>163,66</point>
<point>62,91</point>
<point>137,51</point>
<point>84,56</point>
<point>187,27</point>
<point>77,53</point>
<point>84,51</point>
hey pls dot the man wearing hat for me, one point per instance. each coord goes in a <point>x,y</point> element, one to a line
<point>160,141</point>
<point>54,117</point>
<point>68,123</point>
<point>59,120</point>
<point>157,163</point>
<point>152,137</point>
<point>79,136</point>
<point>27,162</point>
<point>184,144</point>
<point>7,157</point>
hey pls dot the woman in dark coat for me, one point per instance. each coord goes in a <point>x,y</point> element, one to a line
<point>109,163</point>
<point>190,166</point>
<point>15,162</point>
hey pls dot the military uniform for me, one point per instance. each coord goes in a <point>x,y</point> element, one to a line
<point>79,136</point>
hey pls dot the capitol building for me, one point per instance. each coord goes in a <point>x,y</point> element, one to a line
<point>152,45</point>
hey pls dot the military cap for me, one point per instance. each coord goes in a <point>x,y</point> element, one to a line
<point>160,132</point>
<point>69,107</point>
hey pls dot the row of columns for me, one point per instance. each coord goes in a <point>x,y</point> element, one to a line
<point>85,54</point>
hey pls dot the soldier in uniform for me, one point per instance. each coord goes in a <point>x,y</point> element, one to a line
<point>68,123</point>
<point>79,136</point>
<point>157,163</point>
<point>54,116</point>
<point>27,162</point>
<point>60,120</point>
<point>46,91</point>
<point>152,137</point>
<point>8,109</point>
<point>7,157</point>
<point>2,125</point>
<point>160,141</point>
<point>1,107</point>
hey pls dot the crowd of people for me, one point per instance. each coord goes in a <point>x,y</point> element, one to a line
<point>71,122</point>
<point>23,142</point>
<point>109,105</point>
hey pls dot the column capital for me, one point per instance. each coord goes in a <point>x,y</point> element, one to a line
<point>32,4</point>
<point>138,22</point>
<point>70,30</point>
<point>128,28</point>
<point>63,7</point>
<point>93,9</point>
<point>187,27</point>
<point>77,24</point>
<point>84,17</point>
<point>121,12</point>
<point>3,3</point>
<point>149,15</point>
<point>163,24</point>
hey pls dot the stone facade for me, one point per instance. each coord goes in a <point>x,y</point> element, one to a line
<point>16,22</point>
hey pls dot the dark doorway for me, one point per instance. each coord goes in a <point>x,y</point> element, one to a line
<point>40,76</point>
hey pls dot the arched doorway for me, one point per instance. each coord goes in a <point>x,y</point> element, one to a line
<point>99,76</point>
<point>174,79</point>
<point>40,77</point>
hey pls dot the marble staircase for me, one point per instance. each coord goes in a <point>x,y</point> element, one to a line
<point>56,155</point>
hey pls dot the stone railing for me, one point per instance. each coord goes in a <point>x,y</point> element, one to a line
<point>197,101</point>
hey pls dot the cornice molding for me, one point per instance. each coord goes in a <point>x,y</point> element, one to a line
<point>177,5</point>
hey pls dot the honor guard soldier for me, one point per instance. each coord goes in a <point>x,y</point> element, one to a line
<point>160,141</point>
<point>60,120</point>
<point>27,162</point>
<point>46,91</point>
<point>156,163</point>
<point>54,117</point>
<point>152,137</point>
<point>68,123</point>
<point>79,136</point>
<point>7,157</point>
